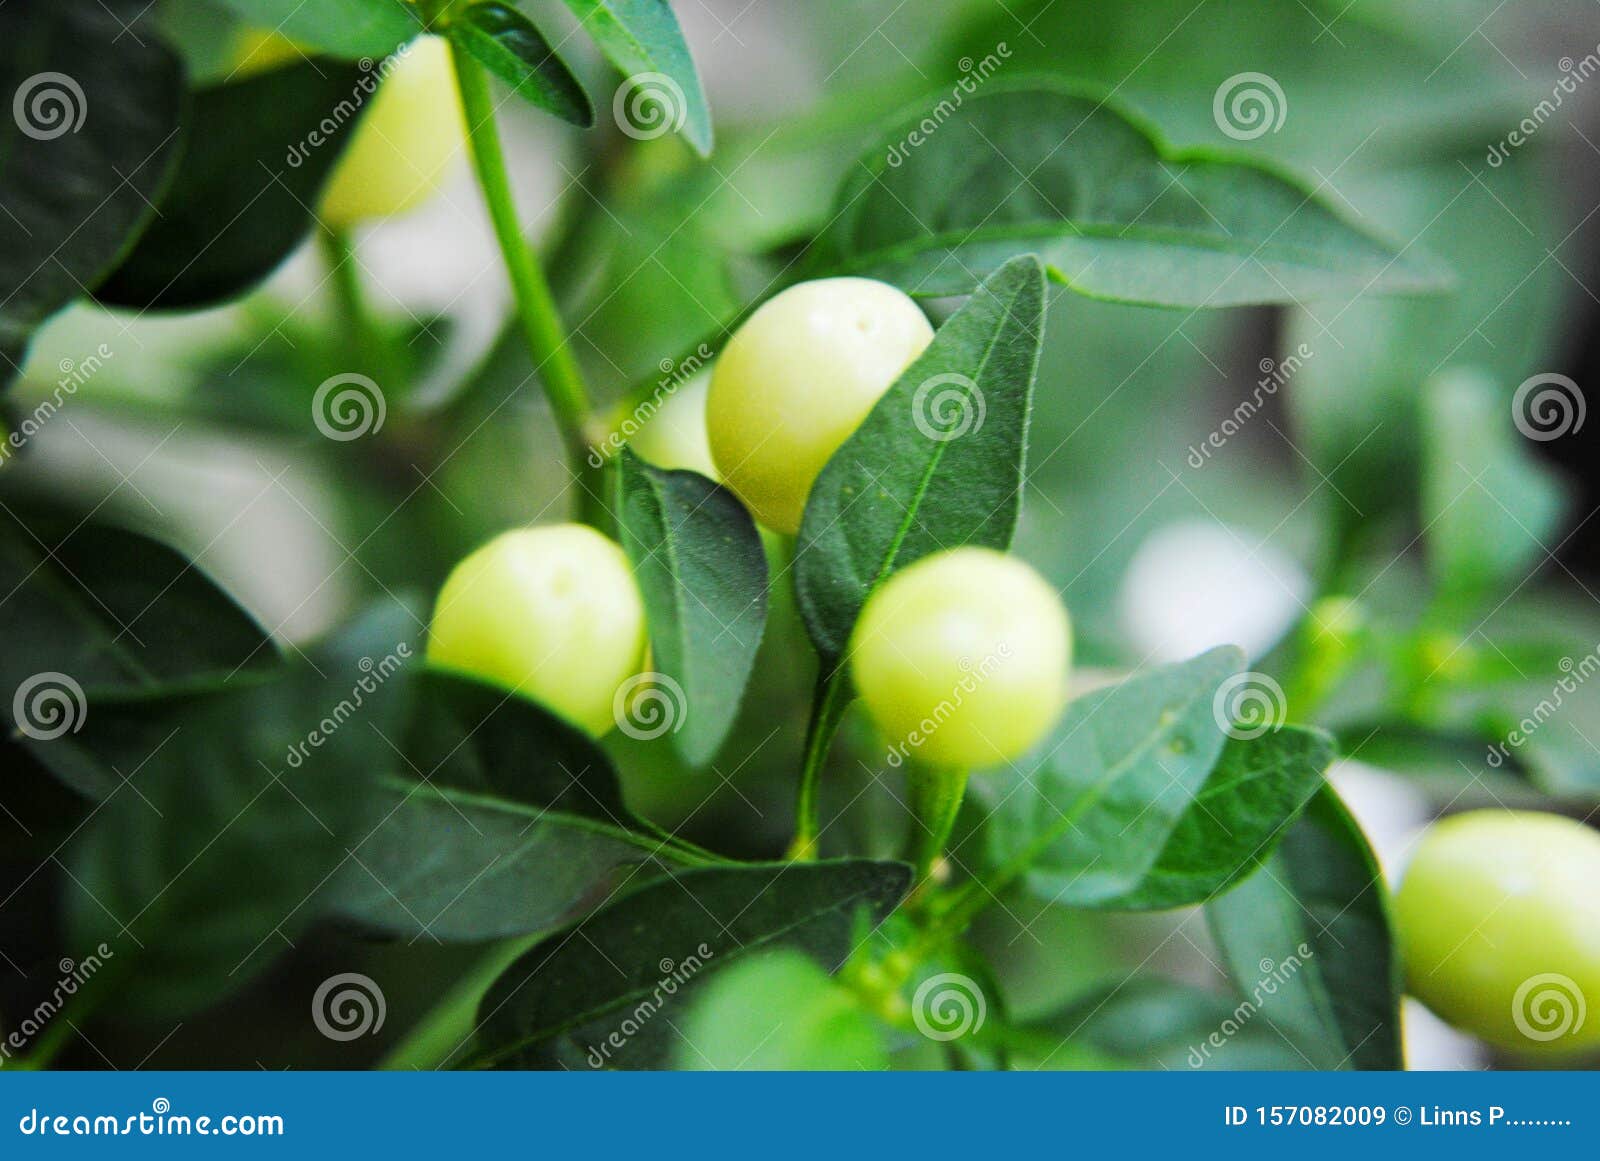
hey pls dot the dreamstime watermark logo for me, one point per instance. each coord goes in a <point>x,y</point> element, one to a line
<point>49,105</point>
<point>73,976</point>
<point>674,975</point>
<point>1248,705</point>
<point>1549,1006</point>
<point>673,376</point>
<point>649,105</point>
<point>648,705</point>
<point>348,406</point>
<point>48,705</point>
<point>972,677</point>
<point>1273,976</point>
<point>1274,375</point>
<point>949,1006</point>
<point>73,375</point>
<point>374,674</point>
<point>973,74</point>
<point>947,407</point>
<point>1573,75</point>
<point>348,1006</point>
<point>1249,105</point>
<point>1576,673</point>
<point>1547,407</point>
<point>372,75</point>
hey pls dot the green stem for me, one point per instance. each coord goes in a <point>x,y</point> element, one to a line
<point>536,309</point>
<point>63,1026</point>
<point>360,327</point>
<point>447,1027</point>
<point>936,796</point>
<point>831,699</point>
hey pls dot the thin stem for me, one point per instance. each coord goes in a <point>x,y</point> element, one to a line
<point>828,704</point>
<point>935,802</point>
<point>447,1028</point>
<point>360,328</point>
<point>536,309</point>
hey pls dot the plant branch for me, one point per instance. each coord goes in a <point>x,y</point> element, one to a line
<point>828,704</point>
<point>554,361</point>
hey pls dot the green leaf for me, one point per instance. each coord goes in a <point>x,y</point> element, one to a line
<point>344,28</point>
<point>1319,905</point>
<point>504,42</point>
<point>241,200</point>
<point>1489,506</point>
<point>607,992</point>
<point>106,607</point>
<point>505,820</point>
<point>96,97</point>
<point>1256,790</point>
<point>661,88</point>
<point>703,573</point>
<point>778,1012</point>
<point>937,463</point>
<point>1114,212</point>
<point>1112,784</point>
<point>1150,1023</point>
<point>207,860</point>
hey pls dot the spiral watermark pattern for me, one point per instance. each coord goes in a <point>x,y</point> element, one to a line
<point>48,705</point>
<point>1248,705</point>
<point>1549,1006</point>
<point>648,705</point>
<point>49,105</point>
<point>348,1006</point>
<point>1547,407</point>
<point>348,406</point>
<point>1249,105</point>
<point>948,1006</point>
<point>947,407</point>
<point>649,105</point>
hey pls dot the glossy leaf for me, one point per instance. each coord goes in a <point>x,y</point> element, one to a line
<point>661,89</point>
<point>937,463</point>
<point>107,607</point>
<point>504,42</point>
<point>505,820</point>
<point>1093,814</point>
<point>93,137</point>
<point>607,992</point>
<point>1250,799</point>
<point>1113,212</point>
<point>703,573</point>
<point>207,860</point>
<point>345,28</point>
<point>242,198</point>
<point>1319,904</point>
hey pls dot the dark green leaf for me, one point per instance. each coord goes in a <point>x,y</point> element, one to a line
<point>1114,213</point>
<point>107,607</point>
<point>703,573</point>
<point>778,1012</point>
<point>1489,506</point>
<point>607,992</point>
<point>661,90</point>
<point>1150,1023</point>
<point>1256,790</point>
<point>345,28</point>
<point>97,99</point>
<point>937,463</point>
<point>1318,904</point>
<point>1112,784</point>
<point>502,40</point>
<point>208,859</point>
<point>241,201</point>
<point>507,820</point>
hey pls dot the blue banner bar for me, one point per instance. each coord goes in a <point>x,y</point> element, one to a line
<point>763,1117</point>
